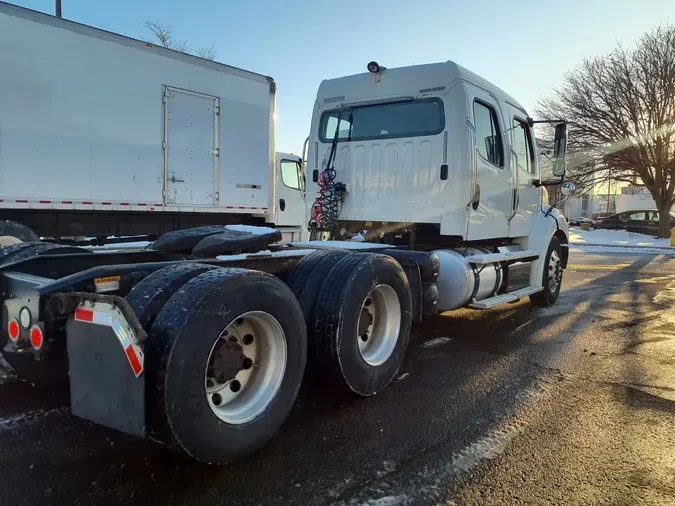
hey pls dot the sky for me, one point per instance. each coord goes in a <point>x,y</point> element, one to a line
<point>523,46</point>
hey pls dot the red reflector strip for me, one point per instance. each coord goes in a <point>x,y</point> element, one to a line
<point>84,315</point>
<point>229,207</point>
<point>124,203</point>
<point>87,203</point>
<point>45,201</point>
<point>22,202</point>
<point>142,204</point>
<point>242,207</point>
<point>66,201</point>
<point>106,203</point>
<point>133,360</point>
<point>159,205</point>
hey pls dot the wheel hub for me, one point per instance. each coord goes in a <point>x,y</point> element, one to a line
<point>245,367</point>
<point>228,360</point>
<point>555,271</point>
<point>379,325</point>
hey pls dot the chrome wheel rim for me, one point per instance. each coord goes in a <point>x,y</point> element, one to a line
<point>379,325</point>
<point>554,271</point>
<point>245,367</point>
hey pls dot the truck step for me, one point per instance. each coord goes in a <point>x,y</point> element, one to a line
<point>490,258</point>
<point>507,297</point>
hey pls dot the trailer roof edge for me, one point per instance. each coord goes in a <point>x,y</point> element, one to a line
<point>99,33</point>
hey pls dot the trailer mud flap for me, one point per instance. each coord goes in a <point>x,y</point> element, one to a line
<point>107,384</point>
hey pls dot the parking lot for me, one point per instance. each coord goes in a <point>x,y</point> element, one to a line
<point>570,404</point>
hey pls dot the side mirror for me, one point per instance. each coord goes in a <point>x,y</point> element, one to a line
<point>568,188</point>
<point>560,150</point>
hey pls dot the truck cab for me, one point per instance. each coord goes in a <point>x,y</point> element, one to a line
<point>435,145</point>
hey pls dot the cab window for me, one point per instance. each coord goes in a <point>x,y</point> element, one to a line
<point>522,145</point>
<point>290,174</point>
<point>488,134</point>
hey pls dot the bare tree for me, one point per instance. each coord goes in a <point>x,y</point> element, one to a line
<point>164,36</point>
<point>621,112</point>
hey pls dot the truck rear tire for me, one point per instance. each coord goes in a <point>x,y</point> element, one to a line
<point>306,278</point>
<point>552,276</point>
<point>363,320</point>
<point>148,297</point>
<point>13,229</point>
<point>24,250</point>
<point>224,361</point>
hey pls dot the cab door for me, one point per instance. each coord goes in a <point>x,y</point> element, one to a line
<point>490,207</point>
<point>523,162</point>
<point>290,201</point>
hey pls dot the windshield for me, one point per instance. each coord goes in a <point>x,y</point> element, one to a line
<point>411,118</point>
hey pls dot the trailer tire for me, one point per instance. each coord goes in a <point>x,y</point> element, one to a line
<point>9,228</point>
<point>364,366</point>
<point>551,277</point>
<point>148,297</point>
<point>179,350</point>
<point>24,250</point>
<point>306,278</point>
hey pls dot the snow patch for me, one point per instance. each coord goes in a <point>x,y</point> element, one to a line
<point>251,229</point>
<point>355,245</point>
<point>291,252</point>
<point>618,250</point>
<point>436,342</point>
<point>120,246</point>
<point>484,449</point>
<point>602,237</point>
<point>27,418</point>
<point>390,500</point>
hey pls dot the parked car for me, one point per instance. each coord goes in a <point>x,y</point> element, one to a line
<point>641,221</point>
<point>575,222</point>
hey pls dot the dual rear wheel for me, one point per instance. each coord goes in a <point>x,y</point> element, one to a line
<point>226,348</point>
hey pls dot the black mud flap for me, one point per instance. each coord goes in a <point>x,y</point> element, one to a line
<point>103,386</point>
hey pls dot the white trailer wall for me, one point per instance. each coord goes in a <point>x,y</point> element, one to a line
<point>81,118</point>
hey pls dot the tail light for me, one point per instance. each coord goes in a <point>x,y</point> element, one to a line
<point>13,329</point>
<point>36,337</point>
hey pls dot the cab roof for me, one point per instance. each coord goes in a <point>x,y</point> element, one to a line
<point>413,80</point>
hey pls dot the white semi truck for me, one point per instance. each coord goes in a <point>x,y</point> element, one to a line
<point>203,348</point>
<point>102,135</point>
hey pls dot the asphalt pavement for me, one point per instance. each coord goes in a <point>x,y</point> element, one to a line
<point>573,404</point>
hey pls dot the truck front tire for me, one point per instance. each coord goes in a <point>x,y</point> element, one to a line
<point>362,323</point>
<point>224,361</point>
<point>551,277</point>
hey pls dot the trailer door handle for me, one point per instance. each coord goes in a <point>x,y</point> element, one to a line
<point>174,180</point>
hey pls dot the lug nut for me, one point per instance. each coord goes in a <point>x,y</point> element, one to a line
<point>217,399</point>
<point>247,339</point>
<point>235,386</point>
<point>248,363</point>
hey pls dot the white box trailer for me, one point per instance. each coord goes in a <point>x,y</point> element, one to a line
<point>102,134</point>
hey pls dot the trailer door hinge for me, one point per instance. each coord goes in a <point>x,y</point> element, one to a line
<point>164,145</point>
<point>215,152</point>
<point>215,109</point>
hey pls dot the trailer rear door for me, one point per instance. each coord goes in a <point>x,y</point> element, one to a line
<point>191,156</point>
